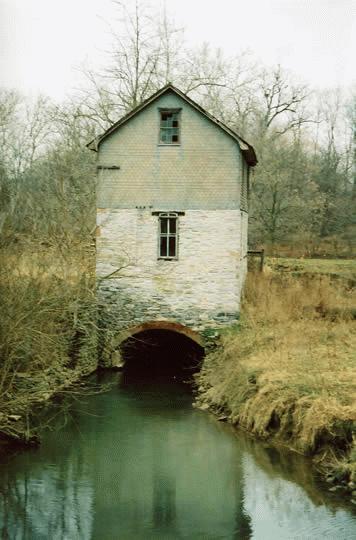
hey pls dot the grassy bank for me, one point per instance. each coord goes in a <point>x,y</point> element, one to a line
<point>343,269</point>
<point>47,329</point>
<point>288,371</point>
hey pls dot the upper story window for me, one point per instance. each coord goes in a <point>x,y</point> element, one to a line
<point>169,132</point>
<point>168,236</point>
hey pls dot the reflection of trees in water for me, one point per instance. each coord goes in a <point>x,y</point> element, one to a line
<point>284,464</point>
<point>53,503</point>
<point>160,468</point>
<point>280,508</point>
<point>278,493</point>
<point>243,521</point>
<point>13,500</point>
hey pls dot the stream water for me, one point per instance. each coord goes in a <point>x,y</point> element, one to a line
<point>138,462</point>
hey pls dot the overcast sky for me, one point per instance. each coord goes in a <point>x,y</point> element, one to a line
<point>42,42</point>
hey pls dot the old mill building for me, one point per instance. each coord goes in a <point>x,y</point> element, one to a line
<point>172,214</point>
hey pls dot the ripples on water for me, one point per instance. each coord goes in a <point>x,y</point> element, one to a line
<point>138,462</point>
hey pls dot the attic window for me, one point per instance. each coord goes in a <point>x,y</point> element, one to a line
<point>168,236</point>
<point>169,127</point>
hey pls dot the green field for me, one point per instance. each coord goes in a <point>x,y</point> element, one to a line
<point>342,268</point>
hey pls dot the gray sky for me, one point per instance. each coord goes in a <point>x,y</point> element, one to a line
<point>42,42</point>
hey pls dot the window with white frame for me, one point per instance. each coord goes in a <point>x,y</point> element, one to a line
<point>168,235</point>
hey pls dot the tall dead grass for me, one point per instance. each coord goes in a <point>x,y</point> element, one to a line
<point>289,370</point>
<point>47,328</point>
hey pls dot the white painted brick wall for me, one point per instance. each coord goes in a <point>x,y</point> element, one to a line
<point>200,289</point>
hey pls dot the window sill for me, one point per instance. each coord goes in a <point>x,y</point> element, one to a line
<point>168,144</point>
<point>167,259</point>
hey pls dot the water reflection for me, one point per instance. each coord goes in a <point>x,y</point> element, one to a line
<point>286,510</point>
<point>140,463</point>
<point>45,502</point>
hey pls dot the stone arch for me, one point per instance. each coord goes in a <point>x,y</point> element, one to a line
<point>160,325</point>
<point>159,348</point>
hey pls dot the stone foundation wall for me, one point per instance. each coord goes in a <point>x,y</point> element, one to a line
<point>200,290</point>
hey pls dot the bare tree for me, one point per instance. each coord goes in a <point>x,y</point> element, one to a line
<point>143,57</point>
<point>286,202</point>
<point>334,173</point>
<point>24,133</point>
<point>229,91</point>
<point>281,101</point>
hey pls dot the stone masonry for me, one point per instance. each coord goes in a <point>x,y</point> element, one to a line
<point>201,289</point>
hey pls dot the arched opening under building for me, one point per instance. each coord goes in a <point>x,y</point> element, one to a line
<point>156,350</point>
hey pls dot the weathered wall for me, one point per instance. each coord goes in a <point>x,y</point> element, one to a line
<point>202,172</point>
<point>201,289</point>
<point>200,177</point>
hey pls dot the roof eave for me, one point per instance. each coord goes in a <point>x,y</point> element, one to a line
<point>93,145</point>
<point>246,149</point>
<point>250,156</point>
<point>130,114</point>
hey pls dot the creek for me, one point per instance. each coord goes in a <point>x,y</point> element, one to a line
<point>139,462</point>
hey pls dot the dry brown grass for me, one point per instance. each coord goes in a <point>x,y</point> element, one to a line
<point>289,370</point>
<point>47,328</point>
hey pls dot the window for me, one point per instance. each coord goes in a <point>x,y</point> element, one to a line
<point>168,236</point>
<point>169,127</point>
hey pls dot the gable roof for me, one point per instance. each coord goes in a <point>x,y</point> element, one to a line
<point>246,149</point>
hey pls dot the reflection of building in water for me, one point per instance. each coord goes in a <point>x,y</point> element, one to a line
<point>169,475</point>
<point>164,500</point>
<point>53,503</point>
<point>279,508</point>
